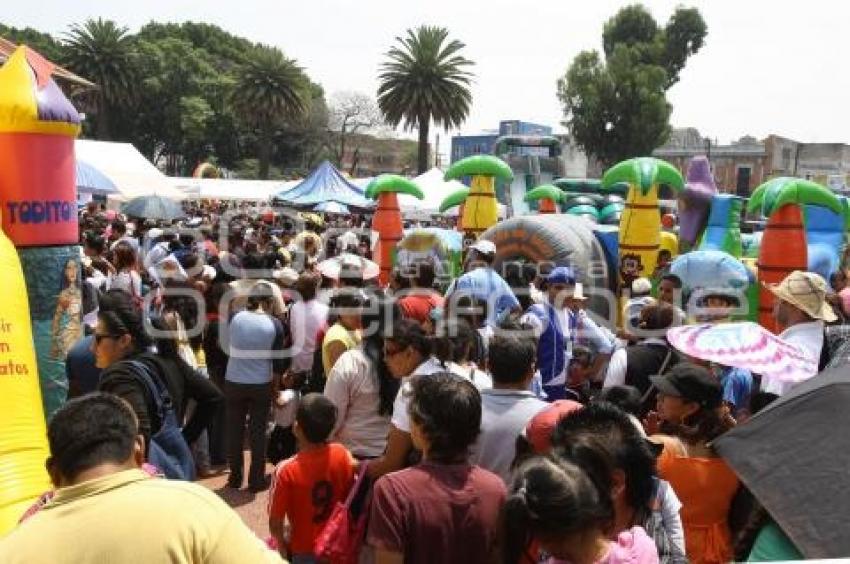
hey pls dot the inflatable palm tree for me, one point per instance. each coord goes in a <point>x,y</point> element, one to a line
<point>455,199</point>
<point>481,211</point>
<point>547,197</point>
<point>387,220</point>
<point>640,225</point>
<point>783,245</point>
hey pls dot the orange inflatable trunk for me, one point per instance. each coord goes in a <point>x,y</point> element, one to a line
<point>546,205</point>
<point>783,250</point>
<point>459,225</point>
<point>387,223</point>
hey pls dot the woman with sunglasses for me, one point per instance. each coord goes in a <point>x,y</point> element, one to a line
<point>119,338</point>
<point>407,354</point>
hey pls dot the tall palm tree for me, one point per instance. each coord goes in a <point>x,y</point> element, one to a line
<point>424,78</point>
<point>783,244</point>
<point>269,89</point>
<point>102,52</point>
<point>640,225</point>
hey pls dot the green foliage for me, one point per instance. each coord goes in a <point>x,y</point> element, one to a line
<point>617,107</point>
<point>101,51</point>
<point>41,42</point>
<point>425,78</point>
<point>191,92</point>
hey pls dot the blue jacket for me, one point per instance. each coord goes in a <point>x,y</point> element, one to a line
<point>551,349</point>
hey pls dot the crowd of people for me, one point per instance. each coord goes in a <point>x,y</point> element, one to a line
<point>496,419</point>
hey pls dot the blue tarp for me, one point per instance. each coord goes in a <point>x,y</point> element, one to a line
<point>325,184</point>
<point>91,180</point>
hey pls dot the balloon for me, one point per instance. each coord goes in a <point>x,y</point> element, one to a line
<point>23,437</point>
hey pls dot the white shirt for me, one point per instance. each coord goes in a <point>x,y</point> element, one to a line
<point>354,389</point>
<point>305,321</point>
<point>808,337</point>
<point>401,419</point>
<point>504,415</point>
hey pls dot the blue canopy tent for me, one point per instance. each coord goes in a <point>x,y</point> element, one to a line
<point>325,184</point>
<point>92,181</point>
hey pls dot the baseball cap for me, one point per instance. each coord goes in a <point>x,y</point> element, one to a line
<point>540,427</point>
<point>805,291</point>
<point>691,383</point>
<point>562,275</point>
<point>484,246</point>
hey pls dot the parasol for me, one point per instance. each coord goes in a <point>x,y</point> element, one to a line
<point>355,264</point>
<point>794,455</point>
<point>153,207</point>
<point>745,345</point>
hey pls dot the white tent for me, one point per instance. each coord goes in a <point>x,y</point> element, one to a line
<point>132,174</point>
<point>230,188</point>
<point>433,187</point>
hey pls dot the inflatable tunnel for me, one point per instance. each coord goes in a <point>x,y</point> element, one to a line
<point>557,240</point>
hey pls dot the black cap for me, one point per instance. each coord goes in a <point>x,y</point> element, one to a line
<point>691,383</point>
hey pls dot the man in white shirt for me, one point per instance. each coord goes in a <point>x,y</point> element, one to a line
<point>507,408</point>
<point>800,310</point>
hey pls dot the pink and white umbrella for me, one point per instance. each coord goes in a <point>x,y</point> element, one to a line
<point>745,345</point>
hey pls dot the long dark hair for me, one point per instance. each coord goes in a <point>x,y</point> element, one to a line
<point>455,341</point>
<point>704,425</point>
<point>378,315</point>
<point>550,497</point>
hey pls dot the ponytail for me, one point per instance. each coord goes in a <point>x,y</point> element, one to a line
<point>550,498</point>
<point>516,527</point>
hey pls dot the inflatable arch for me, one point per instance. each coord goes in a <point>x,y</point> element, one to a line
<point>557,240</point>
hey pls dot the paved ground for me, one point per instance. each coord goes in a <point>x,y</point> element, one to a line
<point>250,506</point>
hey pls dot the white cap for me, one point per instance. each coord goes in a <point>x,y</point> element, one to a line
<point>287,276</point>
<point>484,246</point>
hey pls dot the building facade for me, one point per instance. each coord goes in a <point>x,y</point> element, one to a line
<point>738,167</point>
<point>367,155</point>
<point>482,144</point>
<point>741,166</point>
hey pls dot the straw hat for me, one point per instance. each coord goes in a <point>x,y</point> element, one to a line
<point>807,292</point>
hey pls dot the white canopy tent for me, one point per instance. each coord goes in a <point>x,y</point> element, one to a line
<point>131,173</point>
<point>230,188</point>
<point>433,187</point>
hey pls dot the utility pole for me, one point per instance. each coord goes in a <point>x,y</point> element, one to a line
<point>437,152</point>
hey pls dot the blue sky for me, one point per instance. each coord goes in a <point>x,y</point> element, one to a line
<point>767,66</point>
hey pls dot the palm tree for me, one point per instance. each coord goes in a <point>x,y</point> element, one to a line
<point>101,51</point>
<point>455,199</point>
<point>480,210</point>
<point>424,79</point>
<point>547,196</point>
<point>783,244</point>
<point>269,89</point>
<point>640,225</point>
<point>387,221</point>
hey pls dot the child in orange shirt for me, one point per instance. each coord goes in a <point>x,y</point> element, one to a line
<point>307,487</point>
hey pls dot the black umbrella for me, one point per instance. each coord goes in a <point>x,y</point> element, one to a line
<point>795,458</point>
<point>153,207</point>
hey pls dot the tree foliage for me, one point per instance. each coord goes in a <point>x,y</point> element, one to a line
<point>616,107</point>
<point>425,78</point>
<point>178,93</point>
<point>351,113</point>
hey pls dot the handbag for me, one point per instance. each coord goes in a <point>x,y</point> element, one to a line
<point>341,538</point>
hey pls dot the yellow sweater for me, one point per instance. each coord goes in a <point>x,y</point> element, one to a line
<point>130,517</point>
